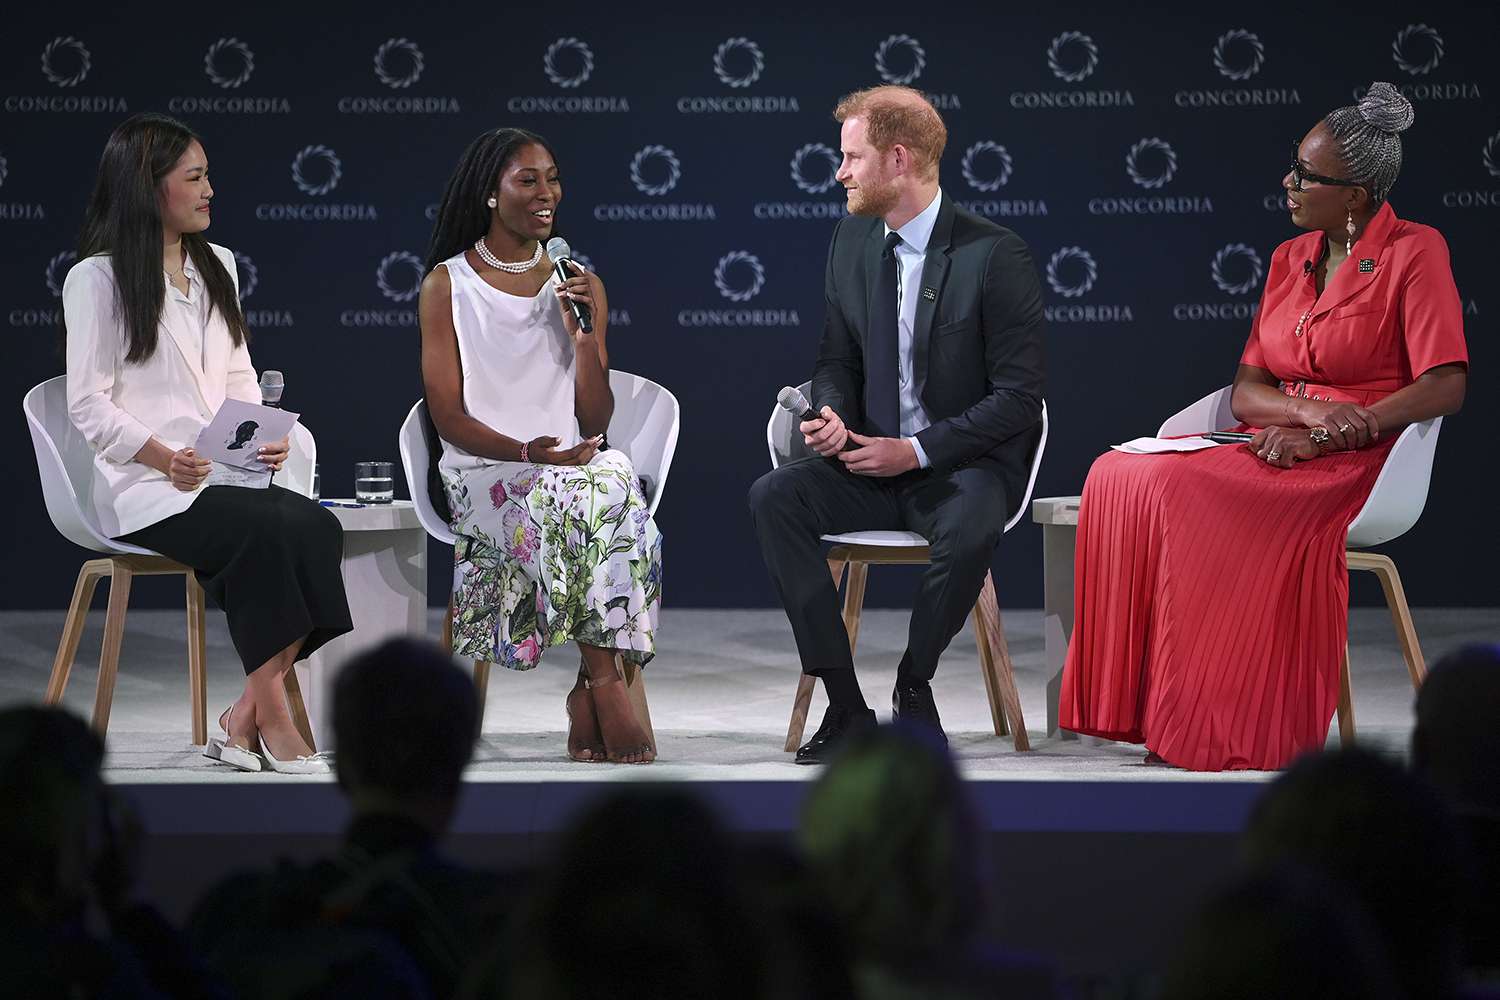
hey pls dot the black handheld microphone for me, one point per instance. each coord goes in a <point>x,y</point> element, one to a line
<point>795,403</point>
<point>560,252</point>
<point>272,385</point>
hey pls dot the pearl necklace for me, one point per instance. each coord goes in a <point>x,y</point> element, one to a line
<point>519,267</point>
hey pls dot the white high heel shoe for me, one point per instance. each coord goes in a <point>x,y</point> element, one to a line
<point>215,746</point>
<point>225,752</point>
<point>316,763</point>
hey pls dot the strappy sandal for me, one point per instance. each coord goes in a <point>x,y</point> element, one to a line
<point>576,750</point>
<point>616,755</point>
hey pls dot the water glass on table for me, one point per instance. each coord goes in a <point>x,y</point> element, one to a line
<point>373,482</point>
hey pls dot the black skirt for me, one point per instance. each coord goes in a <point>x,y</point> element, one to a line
<point>271,559</point>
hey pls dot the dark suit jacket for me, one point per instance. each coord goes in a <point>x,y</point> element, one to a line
<point>977,341</point>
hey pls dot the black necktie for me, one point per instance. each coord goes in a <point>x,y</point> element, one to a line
<point>882,344</point>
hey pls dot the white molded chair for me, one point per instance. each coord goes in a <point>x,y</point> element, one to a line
<point>644,426</point>
<point>1395,502</point>
<point>858,550</point>
<point>65,463</point>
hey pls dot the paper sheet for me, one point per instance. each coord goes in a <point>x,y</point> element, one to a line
<point>239,430</point>
<point>1161,446</point>
<point>233,439</point>
<point>229,475</point>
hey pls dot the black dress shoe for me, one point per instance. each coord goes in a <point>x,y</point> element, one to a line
<point>838,725</point>
<point>912,701</point>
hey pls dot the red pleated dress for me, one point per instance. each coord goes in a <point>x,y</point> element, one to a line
<point>1211,589</point>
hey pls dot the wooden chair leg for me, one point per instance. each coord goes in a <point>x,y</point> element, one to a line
<point>448,627</point>
<point>121,576</point>
<point>481,686</point>
<point>1346,702</point>
<point>854,601</point>
<point>197,654</point>
<point>803,700</point>
<point>1395,599</point>
<point>801,704</point>
<point>1000,673</point>
<point>987,671</point>
<point>296,708</point>
<point>67,645</point>
<point>635,685</point>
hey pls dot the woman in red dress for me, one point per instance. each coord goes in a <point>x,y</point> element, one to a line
<point>1211,587</point>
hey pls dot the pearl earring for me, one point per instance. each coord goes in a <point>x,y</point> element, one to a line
<point>1349,228</point>
<point>491,203</point>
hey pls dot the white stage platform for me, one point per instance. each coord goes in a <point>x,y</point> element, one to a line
<point>1069,823</point>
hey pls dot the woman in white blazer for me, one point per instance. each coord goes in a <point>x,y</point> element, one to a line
<point>155,344</point>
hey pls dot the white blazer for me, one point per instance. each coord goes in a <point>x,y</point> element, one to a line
<point>172,395</point>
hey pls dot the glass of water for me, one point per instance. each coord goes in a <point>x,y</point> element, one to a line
<point>373,482</point>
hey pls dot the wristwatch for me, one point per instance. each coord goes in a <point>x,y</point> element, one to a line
<point>1319,437</point>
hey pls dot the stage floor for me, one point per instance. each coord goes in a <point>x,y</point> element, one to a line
<point>720,691</point>
<point>1068,823</point>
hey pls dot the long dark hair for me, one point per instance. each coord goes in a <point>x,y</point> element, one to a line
<point>463,216</point>
<point>124,221</point>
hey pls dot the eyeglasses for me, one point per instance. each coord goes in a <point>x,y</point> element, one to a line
<point>1299,175</point>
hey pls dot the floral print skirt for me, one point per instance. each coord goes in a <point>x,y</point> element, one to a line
<point>552,553</point>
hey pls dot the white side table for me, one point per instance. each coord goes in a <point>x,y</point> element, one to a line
<point>385,577</point>
<point>1058,517</point>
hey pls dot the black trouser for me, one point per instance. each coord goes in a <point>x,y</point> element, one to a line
<point>961,514</point>
<point>270,558</point>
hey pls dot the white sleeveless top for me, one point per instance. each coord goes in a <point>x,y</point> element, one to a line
<point>517,360</point>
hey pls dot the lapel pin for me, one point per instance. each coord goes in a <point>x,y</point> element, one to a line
<point>1366,265</point>
<point>930,294</point>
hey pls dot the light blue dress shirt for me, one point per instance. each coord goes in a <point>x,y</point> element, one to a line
<point>911,255</point>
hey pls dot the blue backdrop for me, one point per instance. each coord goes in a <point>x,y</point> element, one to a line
<point>1140,156</point>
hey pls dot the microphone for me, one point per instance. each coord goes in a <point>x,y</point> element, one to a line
<point>795,403</point>
<point>559,251</point>
<point>272,384</point>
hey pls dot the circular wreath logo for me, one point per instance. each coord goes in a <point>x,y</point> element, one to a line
<point>1078,261</point>
<point>1490,156</point>
<point>300,163</point>
<point>724,51</point>
<point>62,77</point>
<point>1232,252</point>
<point>814,151</point>
<point>647,154</point>
<point>583,261</point>
<point>584,54</point>
<point>918,59</point>
<point>57,269</point>
<point>1244,40</point>
<point>1412,37</point>
<point>229,78</point>
<point>249,275</point>
<point>1165,153</point>
<point>973,162</point>
<point>1078,40</point>
<point>757,276</point>
<point>383,63</point>
<point>394,262</point>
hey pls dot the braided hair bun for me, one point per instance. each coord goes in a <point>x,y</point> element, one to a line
<point>1385,108</point>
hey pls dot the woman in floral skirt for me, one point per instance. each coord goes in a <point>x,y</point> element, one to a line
<point>555,542</point>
